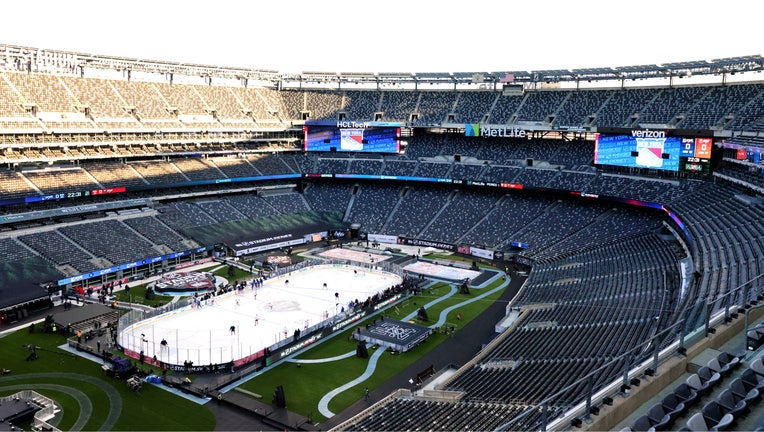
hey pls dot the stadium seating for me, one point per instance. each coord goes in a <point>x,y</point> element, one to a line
<point>620,109</point>
<point>471,107</point>
<point>746,173</point>
<point>227,109</point>
<point>433,108</point>
<point>332,165</point>
<point>362,104</point>
<point>722,101</point>
<point>442,416</point>
<point>540,106</point>
<point>600,271</point>
<point>151,228</point>
<point>757,365</point>
<point>398,106</point>
<point>752,380</point>
<point>287,202</point>
<point>461,213</point>
<point>728,360</point>
<point>250,205</point>
<point>659,418</point>
<point>183,215</point>
<point>159,173</point>
<point>716,416</point>
<point>114,174</point>
<point>433,170</point>
<point>90,103</point>
<point>219,210</point>
<point>742,391</point>
<point>364,166</point>
<point>96,237</point>
<point>399,168</point>
<point>198,169</point>
<point>328,197</point>
<point>415,211</point>
<point>673,406</point>
<point>11,250</point>
<point>60,181</point>
<point>731,403</point>
<point>581,106</point>
<point>686,394</point>
<point>13,185</point>
<point>504,109</point>
<point>292,104</point>
<point>56,248</point>
<point>234,167</point>
<point>669,104</point>
<point>698,422</point>
<point>643,424</point>
<point>716,367</point>
<point>365,208</point>
<point>708,376</point>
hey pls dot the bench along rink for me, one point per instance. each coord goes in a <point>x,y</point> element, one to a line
<point>242,323</point>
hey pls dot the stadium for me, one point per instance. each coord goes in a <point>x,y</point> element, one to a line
<point>620,210</point>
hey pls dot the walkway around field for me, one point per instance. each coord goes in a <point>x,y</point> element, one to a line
<point>323,404</point>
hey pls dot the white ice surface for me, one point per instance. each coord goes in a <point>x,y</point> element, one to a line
<point>202,335</point>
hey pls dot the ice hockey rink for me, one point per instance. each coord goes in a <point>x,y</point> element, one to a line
<point>235,325</point>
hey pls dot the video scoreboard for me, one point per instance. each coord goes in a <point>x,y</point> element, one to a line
<point>352,136</point>
<point>695,154</point>
<point>654,149</point>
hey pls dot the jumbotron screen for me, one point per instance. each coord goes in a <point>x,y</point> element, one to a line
<point>654,149</point>
<point>351,136</point>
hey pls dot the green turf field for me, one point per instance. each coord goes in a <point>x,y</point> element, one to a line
<point>92,401</point>
<point>88,399</point>
<point>306,384</point>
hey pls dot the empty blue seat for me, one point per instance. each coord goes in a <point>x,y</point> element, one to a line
<point>708,376</point>
<point>642,424</point>
<point>726,358</point>
<point>716,416</point>
<point>741,389</point>
<point>752,379</point>
<point>698,423</point>
<point>659,418</point>
<point>686,394</point>
<point>757,366</point>
<point>715,366</point>
<point>673,405</point>
<point>733,403</point>
<point>755,338</point>
<point>700,386</point>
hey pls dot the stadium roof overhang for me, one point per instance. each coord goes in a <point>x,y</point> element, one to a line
<point>668,70</point>
<point>20,56</point>
<point>74,60</point>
